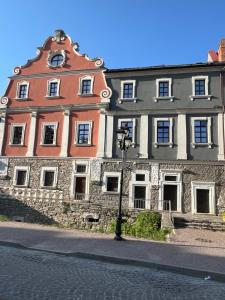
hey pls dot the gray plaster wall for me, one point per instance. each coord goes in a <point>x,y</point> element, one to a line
<point>181,90</point>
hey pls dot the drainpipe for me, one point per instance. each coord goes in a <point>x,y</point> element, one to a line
<point>222,104</point>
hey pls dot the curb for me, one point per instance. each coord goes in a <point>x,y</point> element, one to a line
<point>204,274</point>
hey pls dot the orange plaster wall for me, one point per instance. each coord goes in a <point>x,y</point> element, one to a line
<point>69,89</point>
<point>84,151</point>
<point>40,150</point>
<point>16,150</point>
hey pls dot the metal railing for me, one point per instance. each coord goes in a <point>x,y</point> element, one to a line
<point>141,203</point>
<point>165,205</point>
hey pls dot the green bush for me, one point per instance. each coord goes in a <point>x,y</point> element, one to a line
<point>146,225</point>
<point>4,218</point>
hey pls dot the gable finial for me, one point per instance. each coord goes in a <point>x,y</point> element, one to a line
<point>59,35</point>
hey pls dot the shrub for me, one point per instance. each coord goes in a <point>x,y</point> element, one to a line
<point>4,218</point>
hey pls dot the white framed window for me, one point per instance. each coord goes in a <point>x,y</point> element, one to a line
<point>53,86</point>
<point>140,176</point>
<point>80,180</point>
<point>17,133</point>
<point>49,176</point>
<point>200,87</point>
<point>86,86</point>
<point>83,133</point>
<point>164,89</point>
<point>201,131</point>
<point>22,90</point>
<point>163,128</point>
<point>203,197</point>
<point>21,176</point>
<point>131,125</point>
<point>128,88</point>
<point>49,133</point>
<point>111,182</point>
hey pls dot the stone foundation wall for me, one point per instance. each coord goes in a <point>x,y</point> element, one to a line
<point>49,206</point>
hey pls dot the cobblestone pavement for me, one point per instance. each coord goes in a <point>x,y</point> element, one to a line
<point>29,275</point>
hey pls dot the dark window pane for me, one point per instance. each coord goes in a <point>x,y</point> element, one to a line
<point>128,125</point>
<point>163,89</point>
<point>163,132</point>
<point>81,168</point>
<point>23,91</point>
<point>112,184</point>
<point>17,135</point>
<point>53,89</point>
<point>200,87</point>
<point>21,177</point>
<point>140,177</point>
<point>201,135</point>
<point>86,86</point>
<point>49,178</point>
<point>57,60</point>
<point>170,178</point>
<point>49,134</point>
<point>83,133</point>
<point>128,90</point>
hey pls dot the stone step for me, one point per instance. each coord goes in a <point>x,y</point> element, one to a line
<point>199,224</point>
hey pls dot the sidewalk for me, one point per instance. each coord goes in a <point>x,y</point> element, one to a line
<point>192,249</point>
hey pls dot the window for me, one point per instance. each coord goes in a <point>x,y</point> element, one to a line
<point>80,180</point>
<point>83,133</point>
<point>200,88</point>
<point>53,88</point>
<point>163,131</point>
<point>140,177</point>
<point>201,131</point>
<point>49,177</point>
<point>21,176</point>
<point>128,90</point>
<point>49,133</point>
<point>57,60</point>
<point>17,134</point>
<point>111,182</point>
<point>22,90</point>
<point>86,85</point>
<point>130,124</point>
<point>164,89</point>
<point>81,168</point>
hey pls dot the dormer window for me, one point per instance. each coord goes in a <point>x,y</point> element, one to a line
<point>86,86</point>
<point>53,88</point>
<point>22,90</point>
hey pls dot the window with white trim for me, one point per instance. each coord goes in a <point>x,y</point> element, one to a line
<point>130,124</point>
<point>53,88</point>
<point>200,87</point>
<point>128,90</point>
<point>163,132</point>
<point>83,133</point>
<point>49,177</point>
<point>21,176</point>
<point>86,85</point>
<point>17,132</point>
<point>164,89</point>
<point>22,90</point>
<point>111,182</point>
<point>49,133</point>
<point>201,131</point>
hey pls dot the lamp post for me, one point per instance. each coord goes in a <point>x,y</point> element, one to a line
<point>124,142</point>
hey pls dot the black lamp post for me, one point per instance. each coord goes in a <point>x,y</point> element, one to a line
<point>124,142</point>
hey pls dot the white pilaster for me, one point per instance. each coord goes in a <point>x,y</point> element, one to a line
<point>144,137</point>
<point>65,134</point>
<point>220,136</point>
<point>109,136</point>
<point>31,141</point>
<point>2,130</point>
<point>181,137</point>
<point>101,135</point>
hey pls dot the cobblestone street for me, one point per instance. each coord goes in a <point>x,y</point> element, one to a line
<point>28,275</point>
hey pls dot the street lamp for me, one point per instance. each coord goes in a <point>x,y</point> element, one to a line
<point>124,142</point>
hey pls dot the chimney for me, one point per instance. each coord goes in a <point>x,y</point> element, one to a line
<point>221,51</point>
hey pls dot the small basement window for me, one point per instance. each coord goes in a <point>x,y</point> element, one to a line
<point>112,184</point>
<point>49,177</point>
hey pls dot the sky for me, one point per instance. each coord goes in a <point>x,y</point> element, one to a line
<point>125,33</point>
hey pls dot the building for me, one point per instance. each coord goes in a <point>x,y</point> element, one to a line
<point>59,156</point>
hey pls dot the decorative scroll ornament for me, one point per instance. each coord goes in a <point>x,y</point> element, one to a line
<point>96,169</point>
<point>17,70</point>
<point>99,62</point>
<point>105,94</point>
<point>59,36</point>
<point>4,101</point>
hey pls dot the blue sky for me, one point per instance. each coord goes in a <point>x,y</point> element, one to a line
<point>125,33</point>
